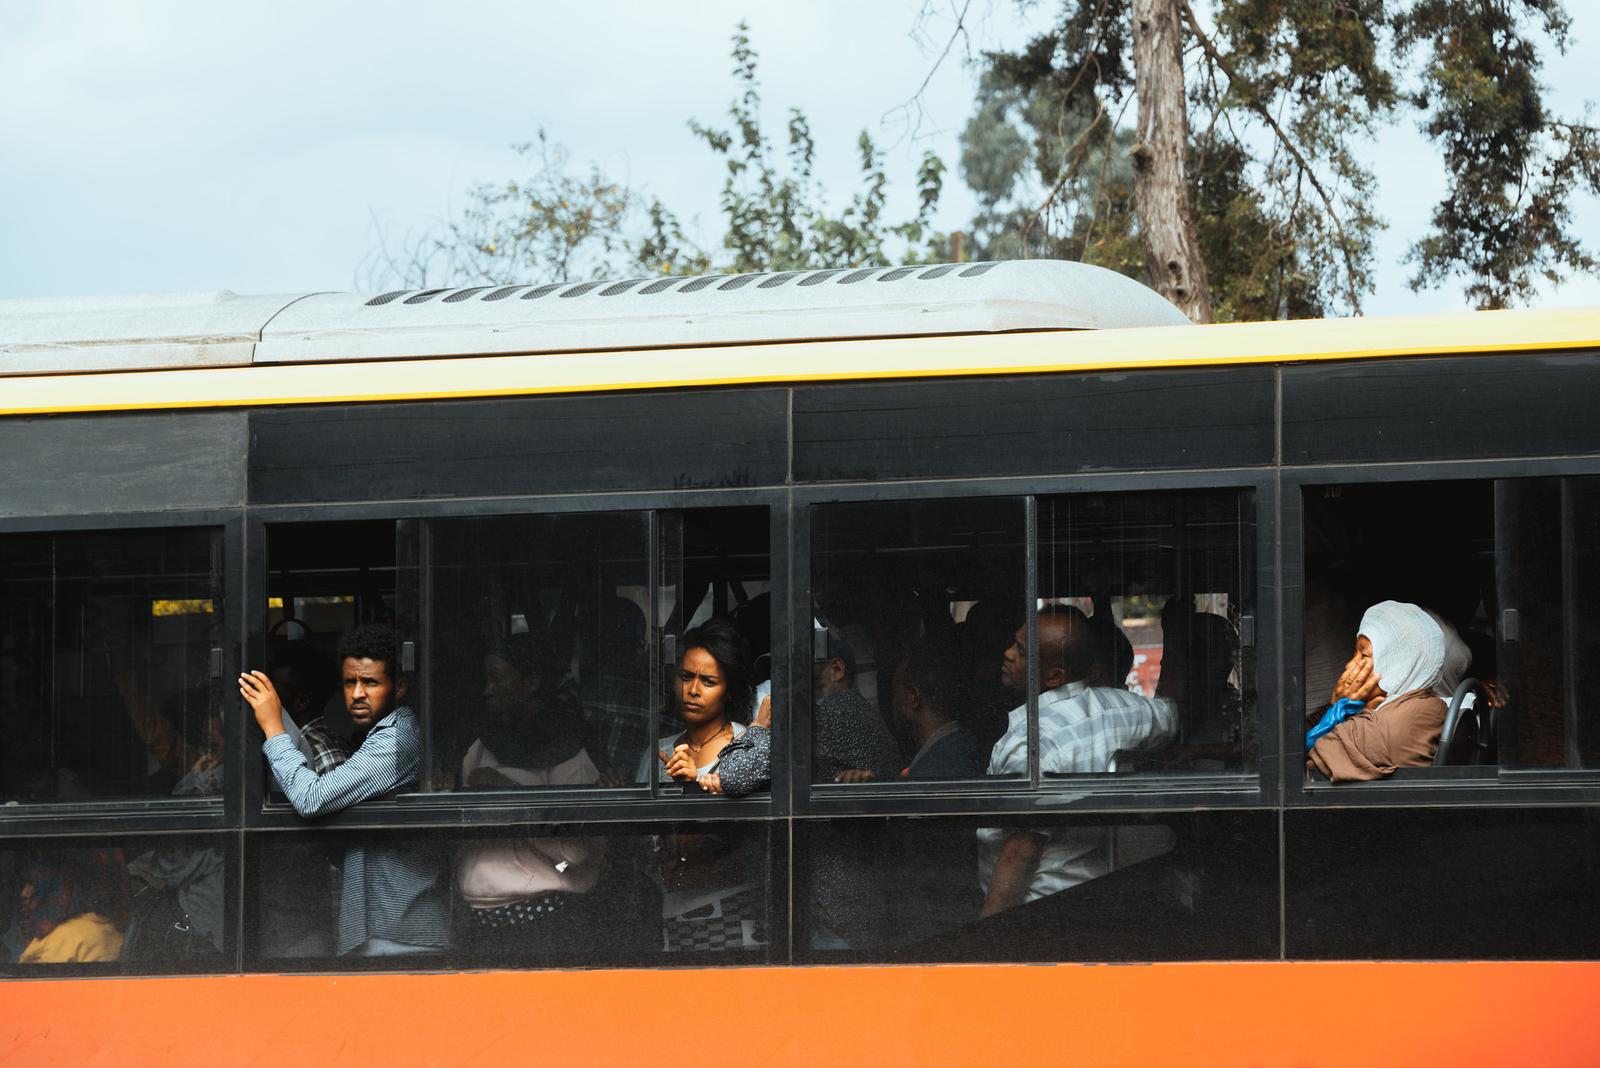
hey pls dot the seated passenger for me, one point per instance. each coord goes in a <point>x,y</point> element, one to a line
<point>1080,728</point>
<point>527,895</point>
<point>714,696</point>
<point>73,907</point>
<point>1406,666</point>
<point>394,899</point>
<point>927,696</point>
<point>851,742</point>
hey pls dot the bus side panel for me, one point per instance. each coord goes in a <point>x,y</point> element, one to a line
<point>1195,1014</point>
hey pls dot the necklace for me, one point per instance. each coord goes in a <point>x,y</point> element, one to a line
<point>695,749</point>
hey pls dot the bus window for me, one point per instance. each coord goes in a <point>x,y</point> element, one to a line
<point>947,888</point>
<point>110,647</point>
<point>1401,606</point>
<point>322,580</point>
<point>1140,665</point>
<point>513,898</point>
<point>153,903</point>
<point>714,608</point>
<point>915,603</point>
<point>537,650</point>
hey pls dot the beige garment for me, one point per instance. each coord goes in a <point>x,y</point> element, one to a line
<point>1403,732</point>
<point>493,873</point>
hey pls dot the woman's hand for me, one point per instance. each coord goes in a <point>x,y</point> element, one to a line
<point>1358,682</point>
<point>711,783</point>
<point>258,691</point>
<point>680,765</point>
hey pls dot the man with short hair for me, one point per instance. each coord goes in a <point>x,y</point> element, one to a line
<point>1080,728</point>
<point>394,898</point>
<point>926,695</point>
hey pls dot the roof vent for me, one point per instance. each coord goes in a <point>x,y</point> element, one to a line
<point>976,269</point>
<point>896,274</point>
<point>778,279</point>
<point>856,276</point>
<point>582,288</point>
<point>939,271</point>
<point>820,277</point>
<point>425,296</point>
<point>656,287</point>
<point>541,291</point>
<point>502,293</point>
<point>463,294</point>
<point>739,280</point>
<point>386,297</point>
<point>700,283</point>
<point>620,287</point>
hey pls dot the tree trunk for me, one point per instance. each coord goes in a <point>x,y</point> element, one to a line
<point>1160,171</point>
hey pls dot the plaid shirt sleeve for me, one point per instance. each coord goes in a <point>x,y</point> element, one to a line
<point>326,752</point>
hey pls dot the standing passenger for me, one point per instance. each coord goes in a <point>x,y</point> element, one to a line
<point>393,899</point>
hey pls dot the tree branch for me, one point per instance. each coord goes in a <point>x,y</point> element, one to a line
<point>1283,138</point>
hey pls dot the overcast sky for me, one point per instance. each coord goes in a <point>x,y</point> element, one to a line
<point>159,145</point>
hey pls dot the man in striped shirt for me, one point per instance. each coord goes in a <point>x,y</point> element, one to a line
<point>394,898</point>
<point>1080,728</point>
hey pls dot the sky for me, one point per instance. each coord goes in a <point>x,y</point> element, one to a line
<point>168,145</point>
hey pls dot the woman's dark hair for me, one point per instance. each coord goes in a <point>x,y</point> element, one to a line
<point>732,653</point>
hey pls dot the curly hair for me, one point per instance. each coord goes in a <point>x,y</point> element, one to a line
<point>372,641</point>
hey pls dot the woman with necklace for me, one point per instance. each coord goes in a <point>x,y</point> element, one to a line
<point>714,697</point>
<point>711,883</point>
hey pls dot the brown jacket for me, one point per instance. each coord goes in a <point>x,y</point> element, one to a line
<point>1403,732</point>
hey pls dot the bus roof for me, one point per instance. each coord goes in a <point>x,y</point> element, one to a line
<point>224,329</point>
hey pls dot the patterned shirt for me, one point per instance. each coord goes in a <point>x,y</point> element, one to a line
<point>325,751</point>
<point>1080,728</point>
<point>391,893</point>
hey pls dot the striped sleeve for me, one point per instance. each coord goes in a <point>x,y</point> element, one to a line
<point>385,762</point>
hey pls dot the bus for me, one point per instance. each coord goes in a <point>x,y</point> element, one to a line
<point>932,505</point>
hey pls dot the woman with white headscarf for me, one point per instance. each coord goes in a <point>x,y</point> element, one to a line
<point>1407,664</point>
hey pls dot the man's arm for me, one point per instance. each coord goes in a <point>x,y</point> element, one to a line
<point>1013,872</point>
<point>386,761</point>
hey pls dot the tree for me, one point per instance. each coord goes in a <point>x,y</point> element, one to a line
<point>1248,197</point>
<point>558,226</point>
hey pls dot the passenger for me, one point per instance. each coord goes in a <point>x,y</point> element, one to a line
<point>711,883</point>
<point>714,695</point>
<point>529,895</point>
<point>393,898</point>
<point>305,680</point>
<point>981,640</point>
<point>1080,728</point>
<point>619,700</point>
<point>1406,666</point>
<point>850,741</point>
<point>1113,652</point>
<point>73,907</point>
<point>927,695</point>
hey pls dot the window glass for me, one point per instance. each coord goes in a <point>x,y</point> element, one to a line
<point>153,903</point>
<point>110,644</point>
<point>715,611</point>
<point>536,640</point>
<point>499,898</point>
<point>1142,602</point>
<point>959,888</point>
<point>1548,627</point>
<point>915,604</point>
<point>324,579</point>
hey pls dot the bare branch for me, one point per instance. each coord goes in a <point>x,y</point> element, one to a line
<point>913,105</point>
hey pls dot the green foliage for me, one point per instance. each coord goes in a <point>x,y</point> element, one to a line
<point>774,210</point>
<point>1283,100</point>
<point>1505,218</point>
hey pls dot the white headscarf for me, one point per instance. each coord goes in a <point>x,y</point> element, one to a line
<point>1409,649</point>
<point>1457,656</point>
